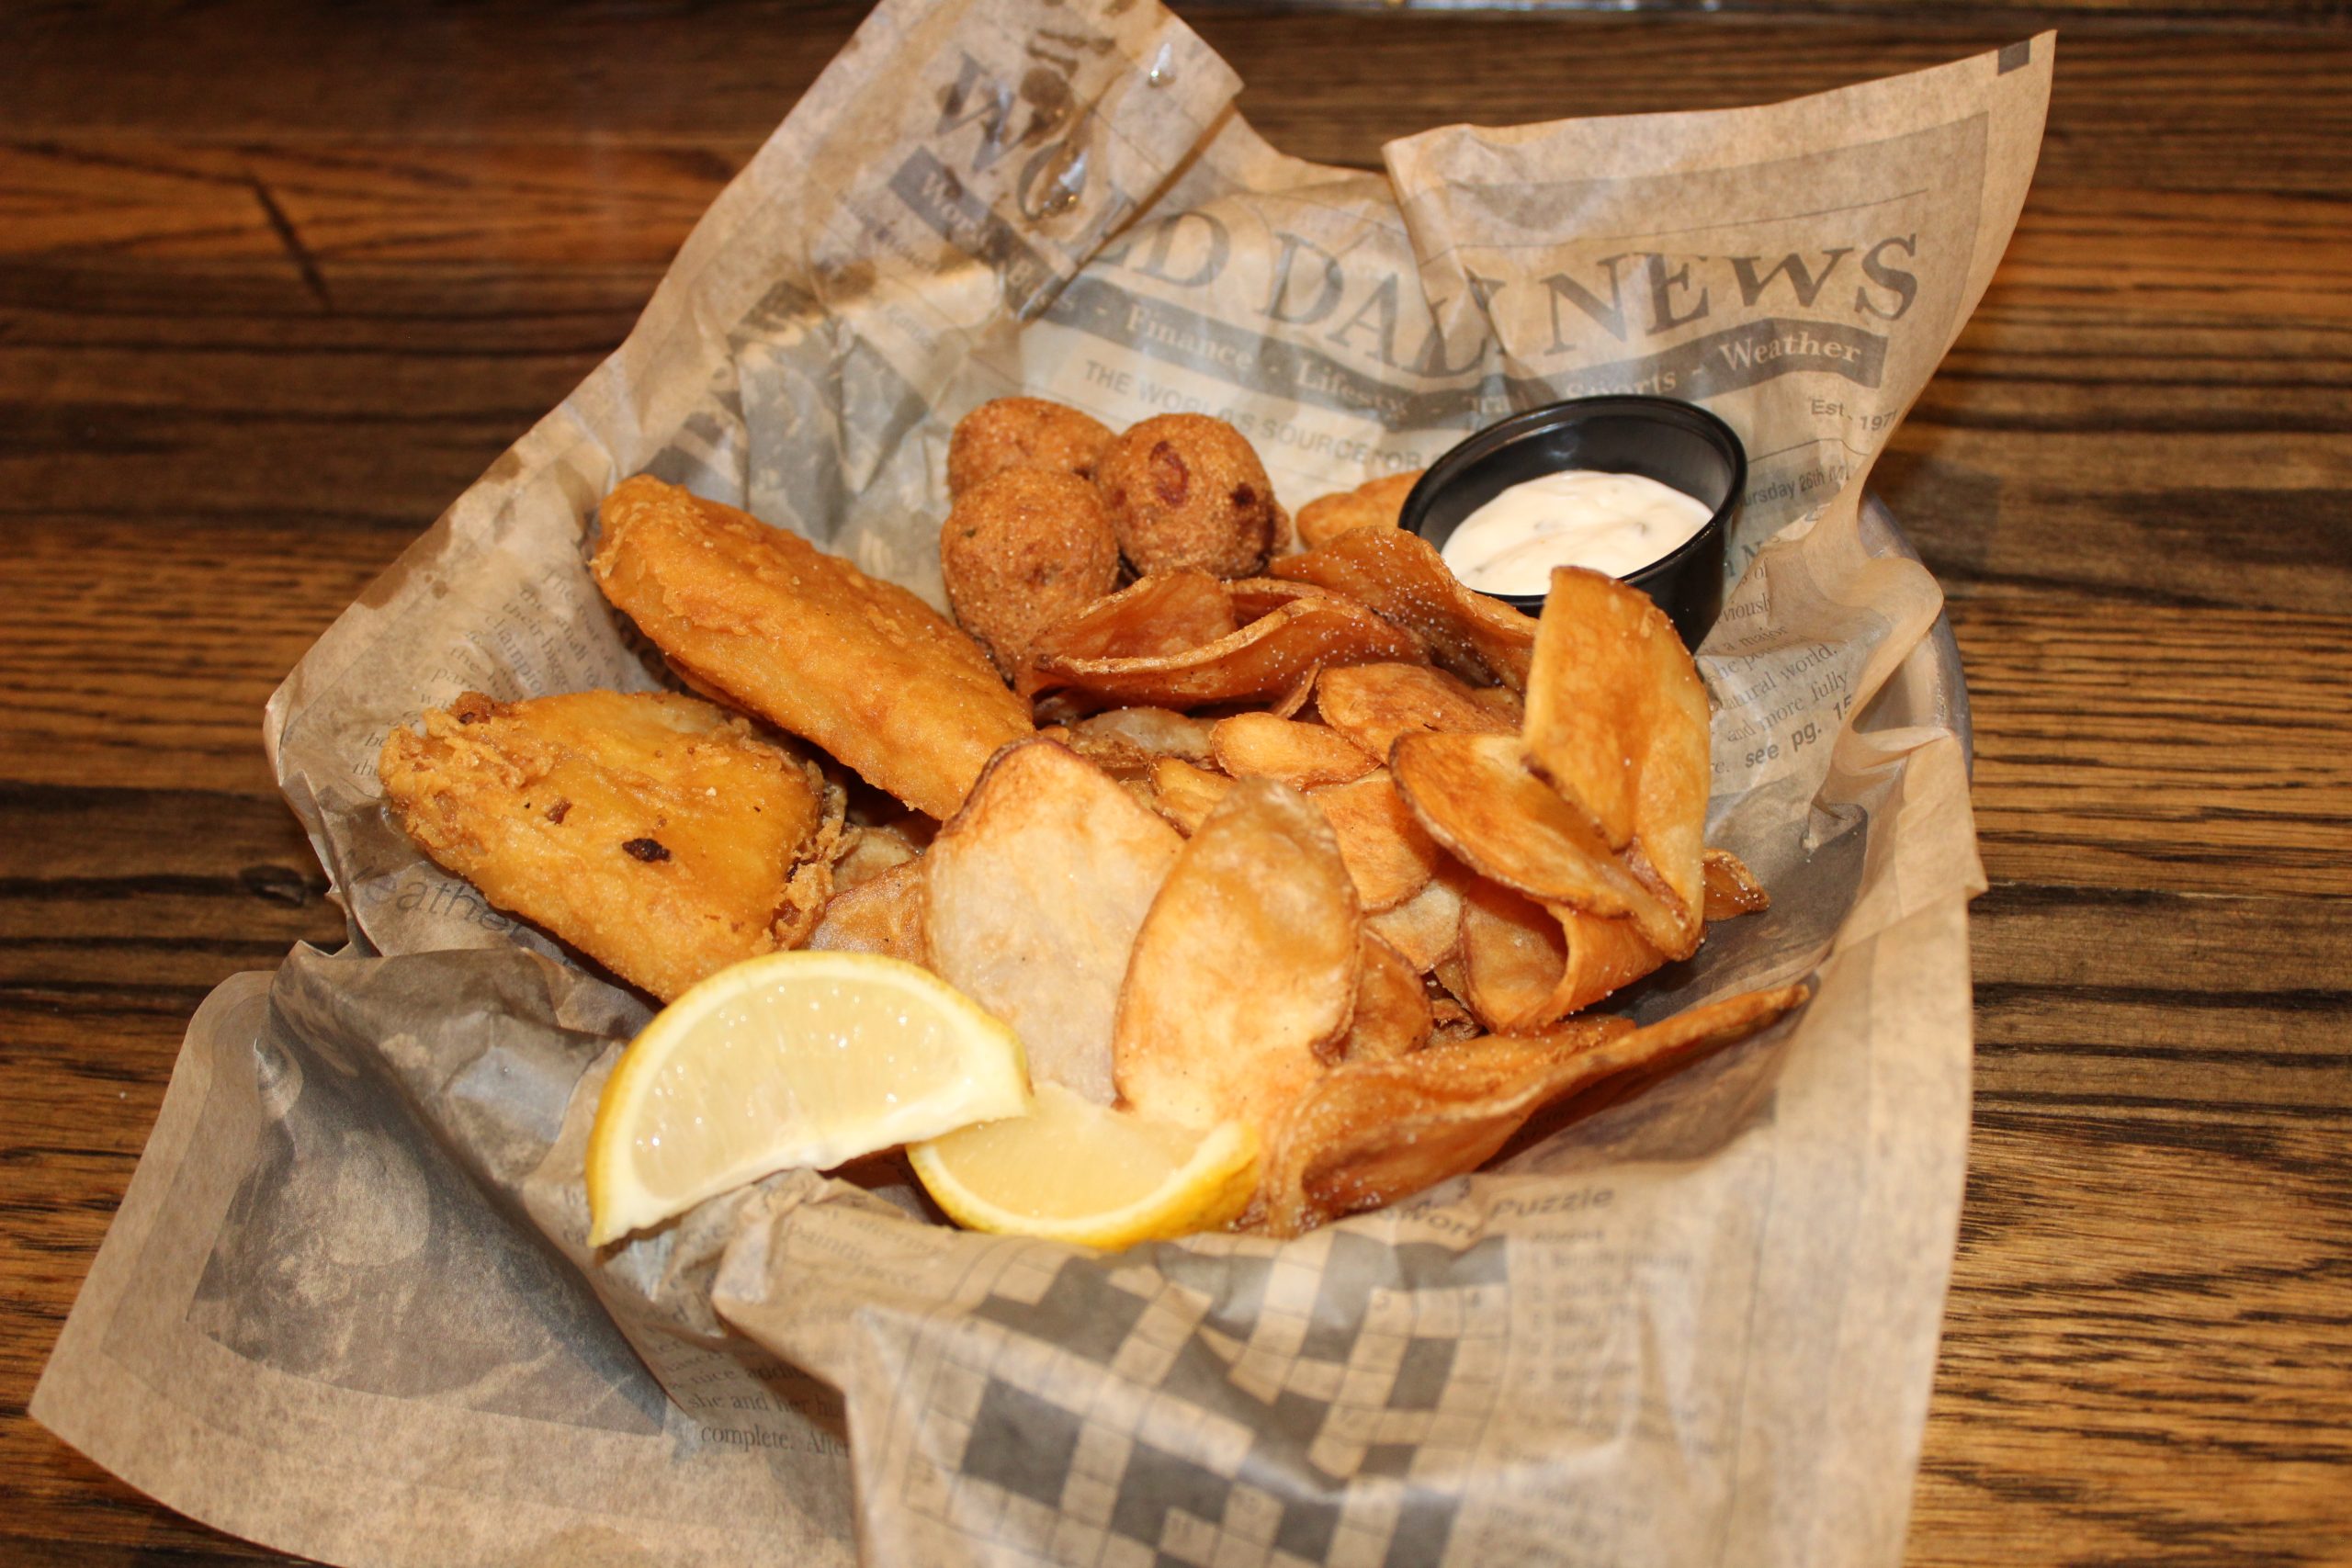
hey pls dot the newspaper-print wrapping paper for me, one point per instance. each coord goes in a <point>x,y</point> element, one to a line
<point>348,1307</point>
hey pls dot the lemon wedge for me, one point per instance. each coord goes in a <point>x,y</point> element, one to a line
<point>790,1059</point>
<point>1072,1170</point>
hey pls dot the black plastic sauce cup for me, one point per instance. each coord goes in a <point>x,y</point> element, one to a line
<point>1680,445</point>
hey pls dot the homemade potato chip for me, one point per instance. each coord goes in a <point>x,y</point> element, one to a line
<point>1369,1132</point>
<point>863,667</point>
<point>1254,597</point>
<point>1186,795</point>
<point>1291,704</point>
<point>1034,893</point>
<point>1617,723</point>
<point>1401,576</point>
<point>1527,965</point>
<point>1449,1020</point>
<point>1375,503</point>
<point>1245,968</point>
<point>1150,618</point>
<point>1427,928</point>
<point>1265,658</point>
<point>1388,856</point>
<point>1259,745</point>
<point>870,852</point>
<point>1392,1014</point>
<point>1477,799</point>
<point>1153,732</point>
<point>1732,888</point>
<point>1372,705</point>
<point>882,914</point>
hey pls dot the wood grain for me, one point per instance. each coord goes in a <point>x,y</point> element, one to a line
<point>276,282</point>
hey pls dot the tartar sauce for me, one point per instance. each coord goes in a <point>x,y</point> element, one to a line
<point>1612,523</point>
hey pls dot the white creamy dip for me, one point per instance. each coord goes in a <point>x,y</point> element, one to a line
<point>1612,523</point>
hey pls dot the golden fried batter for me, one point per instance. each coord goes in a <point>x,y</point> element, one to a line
<point>1022,432</point>
<point>1022,550</point>
<point>1188,491</point>
<point>1375,503</point>
<point>863,667</point>
<point>651,832</point>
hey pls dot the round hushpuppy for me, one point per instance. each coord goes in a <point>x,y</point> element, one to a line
<point>1021,551</point>
<point>1022,432</point>
<point>1188,491</point>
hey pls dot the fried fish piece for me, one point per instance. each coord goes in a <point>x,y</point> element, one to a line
<point>761,618</point>
<point>653,831</point>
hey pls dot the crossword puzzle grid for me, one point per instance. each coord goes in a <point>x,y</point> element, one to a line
<point>1105,1417</point>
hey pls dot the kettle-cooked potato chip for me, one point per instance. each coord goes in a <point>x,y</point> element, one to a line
<point>1732,888</point>
<point>882,914</point>
<point>1255,596</point>
<point>1372,705</point>
<point>1375,503</point>
<point>1154,732</point>
<point>1259,745</point>
<point>1402,576</point>
<point>1034,893</point>
<point>1449,1020</point>
<point>1617,723</point>
<point>1164,614</point>
<point>1245,968</point>
<point>1427,928</point>
<point>1369,1132</point>
<point>1267,658</point>
<point>1125,742</point>
<point>1388,854</point>
<point>1392,1014</point>
<point>1186,795</point>
<point>1477,797</point>
<point>1527,966</point>
<point>871,850</point>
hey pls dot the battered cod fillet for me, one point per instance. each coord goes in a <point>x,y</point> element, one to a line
<point>653,832</point>
<point>863,667</point>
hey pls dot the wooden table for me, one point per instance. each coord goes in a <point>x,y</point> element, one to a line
<point>276,282</point>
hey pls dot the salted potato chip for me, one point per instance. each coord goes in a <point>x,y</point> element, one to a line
<point>1732,888</point>
<point>1388,854</point>
<point>869,853</point>
<point>1032,896</point>
<point>1375,503</point>
<point>1402,577</point>
<point>1255,596</point>
<point>881,914</point>
<point>1268,658</point>
<point>1302,692</point>
<point>1372,705</point>
<point>1155,616</point>
<point>1153,732</point>
<point>1426,928</point>
<point>1617,723</point>
<point>1186,795</point>
<point>1392,1014</point>
<point>1259,745</point>
<point>1369,1132</point>
<point>1245,968</point>
<point>1125,742</point>
<point>1477,797</point>
<point>1449,1020</point>
<point>1527,966</point>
